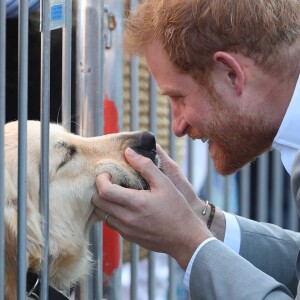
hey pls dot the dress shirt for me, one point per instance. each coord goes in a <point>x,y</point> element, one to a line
<point>287,142</point>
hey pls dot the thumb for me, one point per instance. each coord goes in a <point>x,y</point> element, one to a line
<point>168,166</point>
<point>165,159</point>
<point>145,167</point>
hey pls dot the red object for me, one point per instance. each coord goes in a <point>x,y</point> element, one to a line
<point>110,116</point>
<point>111,238</point>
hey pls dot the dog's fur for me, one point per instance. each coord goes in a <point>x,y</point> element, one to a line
<point>74,163</point>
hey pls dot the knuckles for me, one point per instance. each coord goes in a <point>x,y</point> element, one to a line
<point>105,191</point>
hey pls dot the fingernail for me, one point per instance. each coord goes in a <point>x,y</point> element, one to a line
<point>131,153</point>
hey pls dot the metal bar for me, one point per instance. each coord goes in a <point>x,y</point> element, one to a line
<point>172,138</point>
<point>245,191</point>
<point>89,62</point>
<point>2,122</point>
<point>292,212</point>
<point>153,105</point>
<point>210,178</point>
<point>66,67</point>
<point>134,258</point>
<point>262,188</point>
<point>22,147</point>
<point>134,83</point>
<point>45,119</point>
<point>172,262</point>
<point>89,100</point>
<point>226,183</point>
<point>134,125</point>
<point>172,279</point>
<point>113,92</point>
<point>97,242</point>
<point>153,129</point>
<point>134,248</point>
<point>151,275</point>
<point>277,190</point>
<point>190,158</point>
<point>113,67</point>
<point>134,91</point>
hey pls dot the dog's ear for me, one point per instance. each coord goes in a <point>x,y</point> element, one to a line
<point>34,234</point>
<point>11,228</point>
<point>34,237</point>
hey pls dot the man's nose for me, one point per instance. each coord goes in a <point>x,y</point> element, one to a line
<point>178,121</point>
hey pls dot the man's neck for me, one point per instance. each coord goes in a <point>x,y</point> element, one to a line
<point>278,97</point>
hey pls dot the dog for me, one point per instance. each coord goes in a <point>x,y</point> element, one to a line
<point>74,163</point>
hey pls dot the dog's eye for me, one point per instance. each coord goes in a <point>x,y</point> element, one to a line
<point>70,152</point>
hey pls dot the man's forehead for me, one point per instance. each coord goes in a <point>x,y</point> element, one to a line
<point>154,52</point>
<point>167,76</point>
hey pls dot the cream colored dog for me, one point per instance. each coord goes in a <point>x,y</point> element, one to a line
<point>74,162</point>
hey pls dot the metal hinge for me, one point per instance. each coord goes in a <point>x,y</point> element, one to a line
<point>110,25</point>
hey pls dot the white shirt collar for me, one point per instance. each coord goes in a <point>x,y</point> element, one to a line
<point>287,140</point>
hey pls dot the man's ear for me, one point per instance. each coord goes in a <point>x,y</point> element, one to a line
<point>234,70</point>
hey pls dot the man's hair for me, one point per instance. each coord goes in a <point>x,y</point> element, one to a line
<point>191,31</point>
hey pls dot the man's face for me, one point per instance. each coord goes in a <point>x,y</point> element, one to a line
<point>236,134</point>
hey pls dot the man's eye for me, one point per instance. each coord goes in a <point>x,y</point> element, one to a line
<point>175,98</point>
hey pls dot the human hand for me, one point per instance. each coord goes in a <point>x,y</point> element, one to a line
<point>173,172</point>
<point>159,219</point>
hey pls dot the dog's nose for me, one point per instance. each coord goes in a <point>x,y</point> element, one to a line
<point>147,145</point>
<point>148,142</point>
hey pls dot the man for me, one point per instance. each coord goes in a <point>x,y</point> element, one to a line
<point>231,71</point>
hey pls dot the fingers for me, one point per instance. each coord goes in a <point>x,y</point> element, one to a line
<point>145,167</point>
<point>97,203</point>
<point>166,161</point>
<point>106,190</point>
<point>107,211</point>
<point>162,154</point>
<point>112,192</point>
<point>108,218</point>
<point>160,151</point>
<point>170,168</point>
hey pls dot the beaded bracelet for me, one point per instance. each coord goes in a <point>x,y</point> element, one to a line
<point>211,216</point>
<point>212,213</point>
